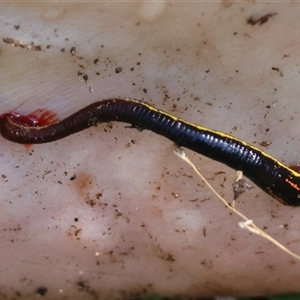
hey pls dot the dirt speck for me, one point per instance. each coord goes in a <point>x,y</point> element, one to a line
<point>261,20</point>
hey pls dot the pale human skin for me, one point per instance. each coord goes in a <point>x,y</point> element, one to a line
<point>111,212</point>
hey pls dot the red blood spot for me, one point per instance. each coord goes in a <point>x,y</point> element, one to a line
<point>39,117</point>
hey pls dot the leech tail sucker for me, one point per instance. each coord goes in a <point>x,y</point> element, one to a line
<point>266,172</point>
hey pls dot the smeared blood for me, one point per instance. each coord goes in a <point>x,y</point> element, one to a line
<point>39,117</point>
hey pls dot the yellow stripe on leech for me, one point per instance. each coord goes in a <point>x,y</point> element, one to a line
<point>218,133</point>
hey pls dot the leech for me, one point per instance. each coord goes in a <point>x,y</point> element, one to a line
<point>272,176</point>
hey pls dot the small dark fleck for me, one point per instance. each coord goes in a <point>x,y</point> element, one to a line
<point>17,27</point>
<point>170,257</point>
<point>62,49</point>
<point>91,202</point>
<point>48,46</point>
<point>97,73</point>
<point>260,20</point>
<point>73,177</point>
<point>96,61</point>
<point>207,71</point>
<point>268,106</point>
<point>235,33</point>
<point>118,214</point>
<point>98,195</point>
<point>81,284</point>
<point>73,50</point>
<point>145,91</point>
<point>119,70</point>
<point>8,40</point>
<point>37,47</point>
<point>3,176</point>
<point>138,63</point>
<point>42,291</point>
<point>77,231</point>
<point>277,70</point>
<point>204,231</point>
<point>131,69</point>
<point>76,219</point>
<point>220,172</point>
<point>85,77</point>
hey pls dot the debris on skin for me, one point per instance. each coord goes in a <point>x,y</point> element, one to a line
<point>119,70</point>
<point>17,43</point>
<point>85,287</point>
<point>73,177</point>
<point>204,231</point>
<point>73,231</point>
<point>265,144</point>
<point>73,51</point>
<point>277,70</point>
<point>260,20</point>
<point>85,77</point>
<point>42,291</point>
<point>240,187</point>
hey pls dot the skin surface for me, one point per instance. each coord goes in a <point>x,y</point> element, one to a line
<point>112,213</point>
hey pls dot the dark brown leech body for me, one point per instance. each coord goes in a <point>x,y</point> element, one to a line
<point>269,174</point>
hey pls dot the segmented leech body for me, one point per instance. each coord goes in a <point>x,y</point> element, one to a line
<point>269,174</point>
